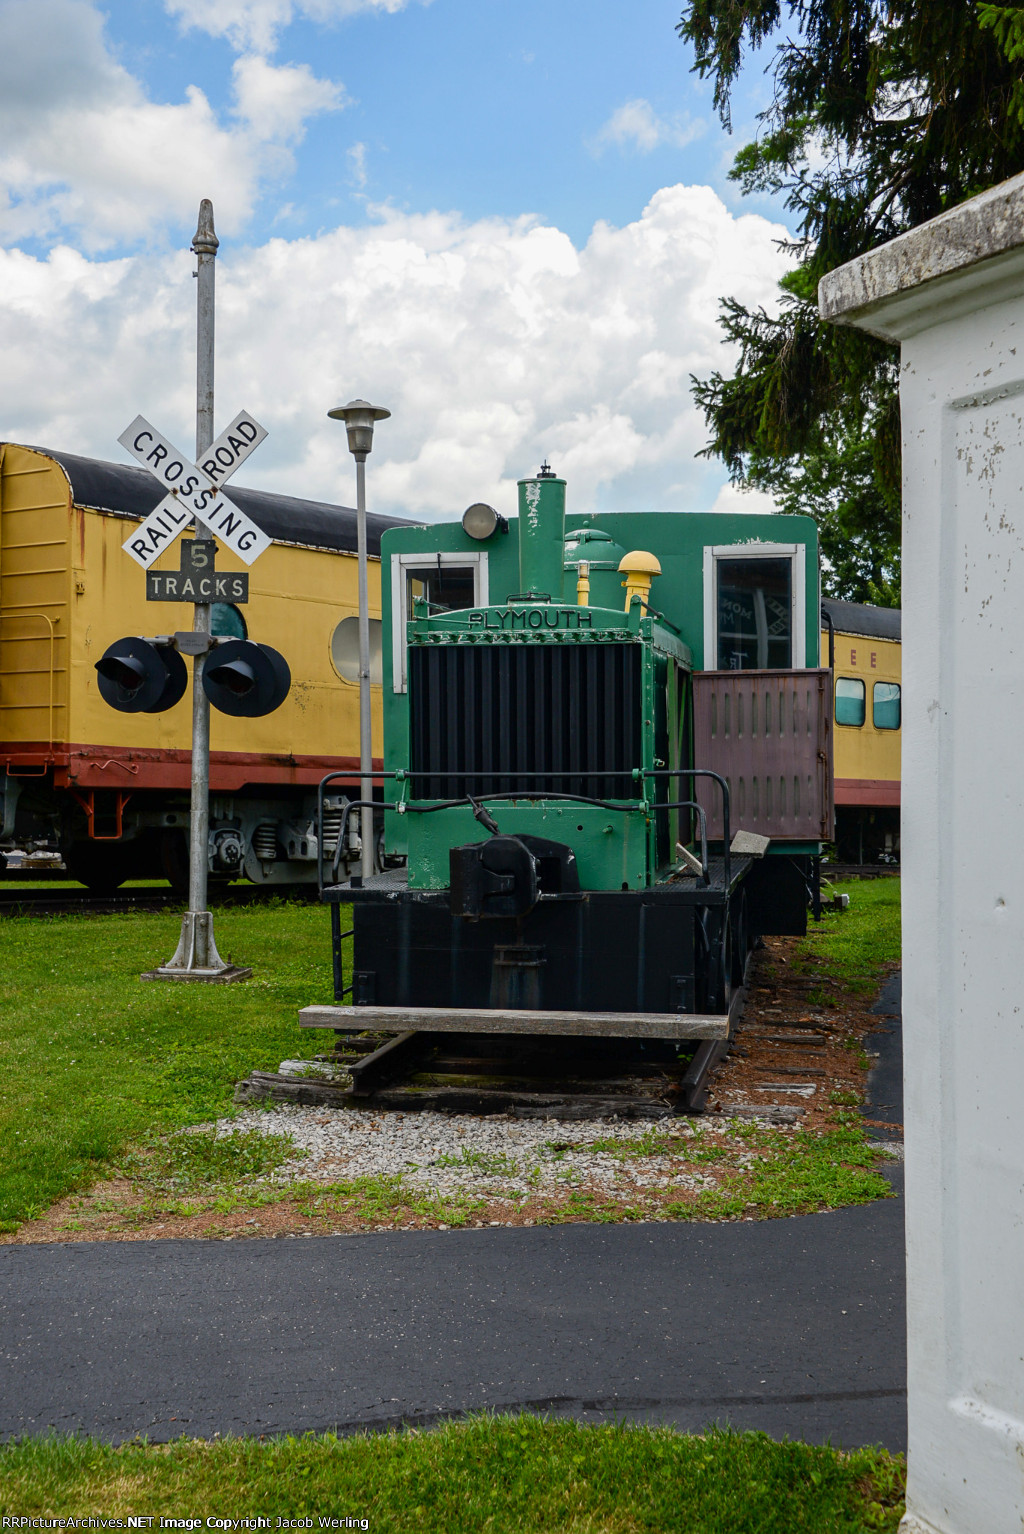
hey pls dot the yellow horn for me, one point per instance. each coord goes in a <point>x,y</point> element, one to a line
<point>639,568</point>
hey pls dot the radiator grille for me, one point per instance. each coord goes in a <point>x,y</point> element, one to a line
<point>495,713</point>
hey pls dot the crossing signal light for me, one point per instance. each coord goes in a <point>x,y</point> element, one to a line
<point>246,679</point>
<point>137,677</point>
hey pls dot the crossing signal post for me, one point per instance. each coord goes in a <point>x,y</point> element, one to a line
<point>240,677</point>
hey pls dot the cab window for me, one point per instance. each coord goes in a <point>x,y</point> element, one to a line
<point>885,706</point>
<point>850,700</point>
<point>449,582</point>
<point>755,614</point>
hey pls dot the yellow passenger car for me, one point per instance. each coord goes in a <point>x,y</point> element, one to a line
<point>868,726</point>
<point>111,790</point>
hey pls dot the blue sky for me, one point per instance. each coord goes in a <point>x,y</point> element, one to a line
<point>513,221</point>
<point>475,105</point>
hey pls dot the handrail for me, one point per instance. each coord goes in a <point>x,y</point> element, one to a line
<point>12,617</point>
<point>350,805</point>
<point>442,804</point>
<point>469,800</point>
<point>704,772</point>
<point>331,777</point>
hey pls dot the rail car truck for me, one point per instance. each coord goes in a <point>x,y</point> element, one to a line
<point>607,751</point>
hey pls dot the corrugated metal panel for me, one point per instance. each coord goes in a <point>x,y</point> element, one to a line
<point>769,734</point>
<point>498,711</point>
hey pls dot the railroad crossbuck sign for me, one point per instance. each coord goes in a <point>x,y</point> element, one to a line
<point>194,491</point>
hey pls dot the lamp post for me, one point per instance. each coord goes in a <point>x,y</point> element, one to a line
<point>360,417</point>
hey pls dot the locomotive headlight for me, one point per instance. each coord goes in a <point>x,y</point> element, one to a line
<point>481,520</point>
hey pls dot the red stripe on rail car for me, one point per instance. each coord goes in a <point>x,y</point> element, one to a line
<point>868,791</point>
<point>115,767</point>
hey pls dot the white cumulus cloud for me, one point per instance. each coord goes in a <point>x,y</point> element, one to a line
<point>356,156</point>
<point>84,152</point>
<point>636,125</point>
<point>742,498</point>
<point>493,343</point>
<point>275,100</point>
<point>255,24</point>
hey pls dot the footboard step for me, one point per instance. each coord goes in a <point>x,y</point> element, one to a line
<point>612,1025</point>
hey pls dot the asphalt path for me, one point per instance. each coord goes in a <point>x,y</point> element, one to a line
<point>793,1326</point>
<point>884,1100</point>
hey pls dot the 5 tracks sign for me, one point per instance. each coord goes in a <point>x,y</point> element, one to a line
<point>197,580</point>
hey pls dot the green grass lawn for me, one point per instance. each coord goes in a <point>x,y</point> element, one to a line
<point>855,945</point>
<point>93,1058</point>
<point>500,1475</point>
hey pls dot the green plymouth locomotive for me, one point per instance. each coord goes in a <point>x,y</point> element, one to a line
<point>606,773</point>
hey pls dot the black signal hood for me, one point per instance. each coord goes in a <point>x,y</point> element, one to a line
<point>137,677</point>
<point>246,679</point>
<point>236,676</point>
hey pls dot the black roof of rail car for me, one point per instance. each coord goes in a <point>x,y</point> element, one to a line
<point>859,618</point>
<point>125,490</point>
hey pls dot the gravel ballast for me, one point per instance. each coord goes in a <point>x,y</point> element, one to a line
<point>496,1157</point>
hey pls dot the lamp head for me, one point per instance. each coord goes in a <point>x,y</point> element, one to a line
<point>359,417</point>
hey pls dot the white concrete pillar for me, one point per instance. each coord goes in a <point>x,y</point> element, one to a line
<point>952,293</point>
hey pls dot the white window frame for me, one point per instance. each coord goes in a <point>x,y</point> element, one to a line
<point>401,564</point>
<point>796,553</point>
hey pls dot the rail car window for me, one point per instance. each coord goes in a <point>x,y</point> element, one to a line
<point>850,700</point>
<point>755,614</point>
<point>345,651</point>
<point>885,706</point>
<point>449,582</point>
<point>226,621</point>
